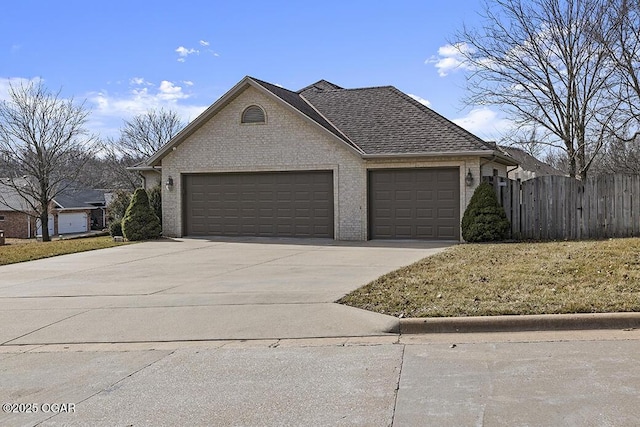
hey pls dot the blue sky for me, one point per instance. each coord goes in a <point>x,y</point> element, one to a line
<point>125,57</point>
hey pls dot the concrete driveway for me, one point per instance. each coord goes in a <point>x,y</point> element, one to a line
<point>198,290</point>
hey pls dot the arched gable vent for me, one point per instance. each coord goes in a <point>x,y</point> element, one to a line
<point>253,114</point>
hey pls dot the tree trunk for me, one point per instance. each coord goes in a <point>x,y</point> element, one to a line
<point>44,226</point>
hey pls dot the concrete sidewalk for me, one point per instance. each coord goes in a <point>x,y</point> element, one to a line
<point>589,378</point>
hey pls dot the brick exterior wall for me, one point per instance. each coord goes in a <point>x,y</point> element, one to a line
<point>17,225</point>
<point>286,142</point>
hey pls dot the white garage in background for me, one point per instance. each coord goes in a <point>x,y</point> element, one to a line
<point>51,226</point>
<point>72,222</point>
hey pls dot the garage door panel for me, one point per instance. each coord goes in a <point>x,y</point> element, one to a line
<point>422,203</point>
<point>296,204</point>
<point>72,222</point>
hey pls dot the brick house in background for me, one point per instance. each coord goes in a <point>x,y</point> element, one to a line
<point>14,223</point>
<point>76,210</point>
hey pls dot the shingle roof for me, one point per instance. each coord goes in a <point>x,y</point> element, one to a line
<point>529,163</point>
<point>80,198</point>
<point>72,197</point>
<point>321,85</point>
<point>9,197</point>
<point>384,120</point>
<point>376,121</point>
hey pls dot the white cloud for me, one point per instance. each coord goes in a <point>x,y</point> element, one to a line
<point>421,100</point>
<point>16,82</point>
<point>184,52</point>
<point>450,58</point>
<point>139,81</point>
<point>169,91</point>
<point>108,110</point>
<point>485,123</point>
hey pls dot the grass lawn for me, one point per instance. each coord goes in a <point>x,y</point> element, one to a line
<point>511,278</point>
<point>26,250</point>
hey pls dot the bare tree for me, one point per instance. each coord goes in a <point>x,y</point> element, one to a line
<point>540,61</point>
<point>117,162</point>
<point>624,49</point>
<point>45,145</point>
<point>139,139</point>
<point>143,135</point>
<point>620,156</point>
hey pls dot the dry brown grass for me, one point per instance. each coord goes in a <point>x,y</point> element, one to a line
<point>511,278</point>
<point>17,250</point>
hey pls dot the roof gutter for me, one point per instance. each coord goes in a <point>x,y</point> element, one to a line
<point>494,155</point>
<point>145,168</point>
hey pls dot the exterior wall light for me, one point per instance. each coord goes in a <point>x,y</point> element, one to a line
<point>469,179</point>
<point>169,183</point>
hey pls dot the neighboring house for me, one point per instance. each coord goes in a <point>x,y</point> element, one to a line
<point>528,166</point>
<point>76,210</point>
<point>14,223</point>
<point>79,210</point>
<point>347,164</point>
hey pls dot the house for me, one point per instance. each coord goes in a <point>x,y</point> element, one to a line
<point>13,219</point>
<point>528,166</point>
<point>75,210</point>
<point>78,210</point>
<point>323,161</point>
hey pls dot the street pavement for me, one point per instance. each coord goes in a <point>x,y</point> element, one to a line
<point>227,332</point>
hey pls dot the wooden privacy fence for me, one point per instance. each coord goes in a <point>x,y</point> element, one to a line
<point>560,208</point>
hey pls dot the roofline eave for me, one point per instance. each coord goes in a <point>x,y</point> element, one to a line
<point>218,105</point>
<point>496,155</point>
<point>145,168</point>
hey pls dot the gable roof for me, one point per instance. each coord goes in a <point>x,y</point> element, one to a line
<point>80,199</point>
<point>72,197</point>
<point>375,121</point>
<point>529,163</point>
<point>10,200</point>
<point>299,103</point>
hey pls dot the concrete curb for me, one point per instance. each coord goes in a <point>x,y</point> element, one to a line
<point>543,322</point>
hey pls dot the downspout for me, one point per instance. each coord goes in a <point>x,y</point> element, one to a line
<point>486,163</point>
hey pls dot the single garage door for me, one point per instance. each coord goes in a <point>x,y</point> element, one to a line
<point>269,204</point>
<point>72,222</point>
<point>414,204</point>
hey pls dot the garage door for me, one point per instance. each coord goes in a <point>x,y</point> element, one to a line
<point>72,222</point>
<point>414,204</point>
<point>271,204</point>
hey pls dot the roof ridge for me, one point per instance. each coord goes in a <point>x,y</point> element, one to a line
<point>369,87</point>
<point>331,123</point>
<point>315,86</point>
<point>331,127</point>
<point>262,82</point>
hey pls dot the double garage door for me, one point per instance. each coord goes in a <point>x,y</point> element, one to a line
<point>403,204</point>
<point>270,204</point>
